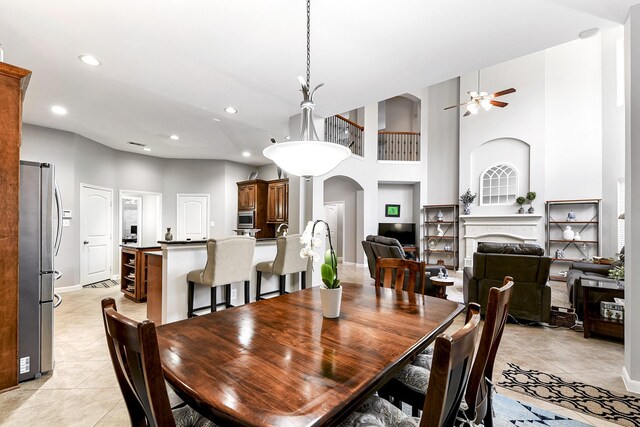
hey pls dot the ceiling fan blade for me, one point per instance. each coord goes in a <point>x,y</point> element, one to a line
<point>503,92</point>
<point>498,103</point>
<point>454,106</point>
<point>466,114</point>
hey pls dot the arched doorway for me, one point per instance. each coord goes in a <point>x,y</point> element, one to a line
<point>343,201</point>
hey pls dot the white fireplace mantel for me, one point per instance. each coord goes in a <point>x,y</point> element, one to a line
<point>515,228</point>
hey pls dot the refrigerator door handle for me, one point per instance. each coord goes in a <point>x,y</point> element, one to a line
<point>58,199</point>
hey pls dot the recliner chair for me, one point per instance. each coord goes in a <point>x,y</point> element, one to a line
<point>388,247</point>
<point>529,268</point>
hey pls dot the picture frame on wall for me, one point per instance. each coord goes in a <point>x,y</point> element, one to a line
<point>392,211</point>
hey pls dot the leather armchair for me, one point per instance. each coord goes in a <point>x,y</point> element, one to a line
<point>531,299</point>
<point>576,273</point>
<point>388,247</point>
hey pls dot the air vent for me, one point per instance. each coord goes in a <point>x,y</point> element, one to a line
<point>137,143</point>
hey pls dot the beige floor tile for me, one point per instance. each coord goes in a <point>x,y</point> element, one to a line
<point>82,391</point>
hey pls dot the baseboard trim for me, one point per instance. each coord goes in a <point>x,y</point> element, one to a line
<point>64,289</point>
<point>631,385</point>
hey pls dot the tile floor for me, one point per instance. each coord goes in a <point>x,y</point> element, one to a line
<point>82,390</point>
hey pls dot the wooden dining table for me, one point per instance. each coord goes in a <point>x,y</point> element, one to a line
<point>279,362</point>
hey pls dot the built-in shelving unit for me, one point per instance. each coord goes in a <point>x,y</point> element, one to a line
<point>587,225</point>
<point>434,245</point>
<point>133,272</point>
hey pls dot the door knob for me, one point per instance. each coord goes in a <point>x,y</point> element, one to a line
<point>86,242</point>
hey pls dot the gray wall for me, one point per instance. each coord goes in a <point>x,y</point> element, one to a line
<point>79,160</point>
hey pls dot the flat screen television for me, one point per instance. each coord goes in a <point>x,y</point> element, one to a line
<point>404,232</point>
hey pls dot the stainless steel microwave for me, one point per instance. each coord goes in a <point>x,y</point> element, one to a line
<point>246,219</point>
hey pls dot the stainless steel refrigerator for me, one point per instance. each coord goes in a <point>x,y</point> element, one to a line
<point>39,241</point>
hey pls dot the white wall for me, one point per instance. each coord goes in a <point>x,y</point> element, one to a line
<point>402,115</point>
<point>81,160</point>
<point>396,194</point>
<point>342,189</point>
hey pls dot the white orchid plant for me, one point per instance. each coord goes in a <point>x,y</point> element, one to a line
<point>329,269</point>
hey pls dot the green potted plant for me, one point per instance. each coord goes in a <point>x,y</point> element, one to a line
<point>330,290</point>
<point>617,273</point>
<point>521,201</point>
<point>466,199</point>
<point>531,196</point>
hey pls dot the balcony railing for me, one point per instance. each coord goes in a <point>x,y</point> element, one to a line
<point>399,146</point>
<point>343,131</point>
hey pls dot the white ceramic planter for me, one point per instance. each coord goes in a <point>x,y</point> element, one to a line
<point>331,300</point>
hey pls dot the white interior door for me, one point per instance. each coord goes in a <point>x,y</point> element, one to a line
<point>193,217</point>
<point>96,228</point>
<point>331,214</point>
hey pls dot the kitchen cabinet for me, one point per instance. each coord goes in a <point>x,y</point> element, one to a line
<point>278,201</point>
<point>252,196</point>
<point>13,84</point>
<point>133,271</point>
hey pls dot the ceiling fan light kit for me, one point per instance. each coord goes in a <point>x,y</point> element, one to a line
<point>482,99</point>
<point>309,156</point>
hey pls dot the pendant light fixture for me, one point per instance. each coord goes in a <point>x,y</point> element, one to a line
<point>309,156</point>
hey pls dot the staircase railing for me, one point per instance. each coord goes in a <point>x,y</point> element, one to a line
<point>343,131</point>
<point>400,146</point>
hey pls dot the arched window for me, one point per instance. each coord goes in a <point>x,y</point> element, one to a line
<point>499,185</point>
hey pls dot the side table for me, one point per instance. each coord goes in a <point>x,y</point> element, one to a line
<point>595,291</point>
<point>441,284</point>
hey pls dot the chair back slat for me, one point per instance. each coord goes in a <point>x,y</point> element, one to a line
<point>452,358</point>
<point>391,273</point>
<point>477,394</point>
<point>135,357</point>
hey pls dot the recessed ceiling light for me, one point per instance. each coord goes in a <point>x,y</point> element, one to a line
<point>174,137</point>
<point>90,60</point>
<point>59,110</point>
<point>147,149</point>
<point>230,110</point>
<point>287,138</point>
<point>215,119</point>
<point>246,154</point>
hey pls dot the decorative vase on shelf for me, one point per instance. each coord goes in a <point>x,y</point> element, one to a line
<point>568,233</point>
<point>531,210</point>
<point>439,231</point>
<point>467,208</point>
<point>576,236</point>
<point>331,301</point>
<point>559,254</point>
<point>521,210</point>
<point>439,216</point>
<point>447,247</point>
<point>571,216</point>
<point>168,236</point>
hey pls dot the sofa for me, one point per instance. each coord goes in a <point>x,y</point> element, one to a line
<point>388,247</point>
<point>526,263</point>
<point>586,270</point>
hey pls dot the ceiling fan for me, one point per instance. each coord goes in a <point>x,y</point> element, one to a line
<point>483,99</point>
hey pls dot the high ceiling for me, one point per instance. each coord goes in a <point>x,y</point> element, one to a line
<point>172,66</point>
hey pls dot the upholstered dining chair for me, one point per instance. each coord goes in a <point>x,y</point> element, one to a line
<point>452,359</point>
<point>287,261</point>
<point>411,274</point>
<point>411,385</point>
<point>229,260</point>
<point>135,356</point>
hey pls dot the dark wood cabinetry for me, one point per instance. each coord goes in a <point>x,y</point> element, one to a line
<point>278,201</point>
<point>252,196</point>
<point>13,84</point>
<point>133,272</point>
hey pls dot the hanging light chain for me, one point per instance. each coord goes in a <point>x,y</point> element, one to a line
<point>309,44</point>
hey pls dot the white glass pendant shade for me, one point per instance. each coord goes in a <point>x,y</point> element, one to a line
<point>472,107</point>
<point>307,158</point>
<point>486,104</point>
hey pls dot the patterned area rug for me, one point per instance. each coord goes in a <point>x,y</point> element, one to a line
<point>595,401</point>
<point>104,284</point>
<point>510,412</point>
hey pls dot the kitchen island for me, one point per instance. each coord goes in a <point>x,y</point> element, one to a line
<point>133,270</point>
<point>181,257</point>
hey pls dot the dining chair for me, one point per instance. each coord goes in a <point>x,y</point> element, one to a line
<point>287,261</point>
<point>229,260</point>
<point>452,357</point>
<point>390,271</point>
<point>133,347</point>
<point>411,385</point>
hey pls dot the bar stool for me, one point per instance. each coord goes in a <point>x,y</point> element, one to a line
<point>229,260</point>
<point>288,260</point>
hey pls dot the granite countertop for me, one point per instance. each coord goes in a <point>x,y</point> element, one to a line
<point>140,246</point>
<point>182,242</point>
